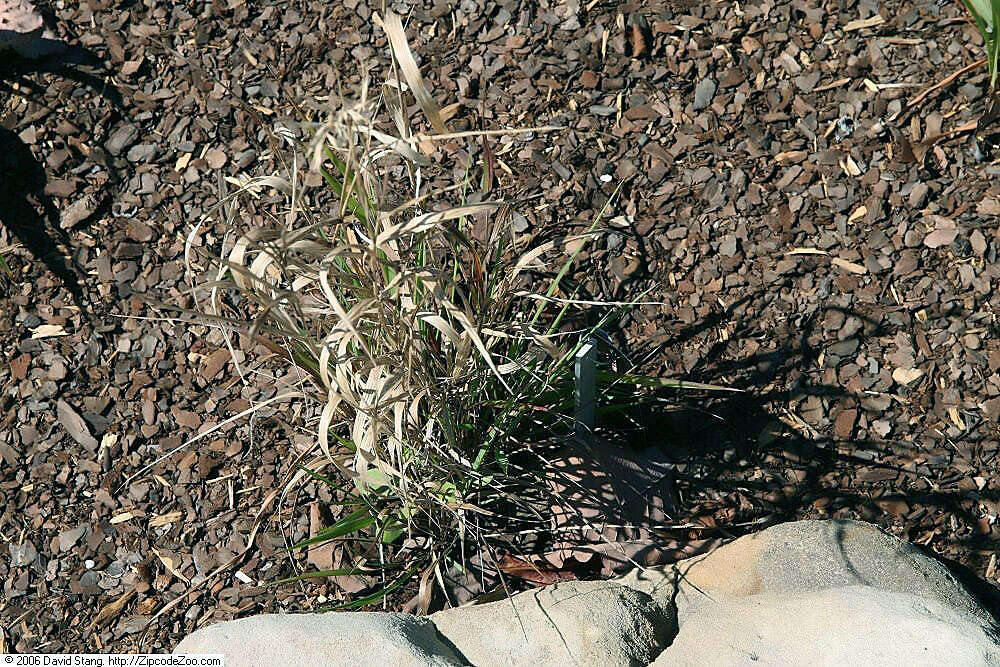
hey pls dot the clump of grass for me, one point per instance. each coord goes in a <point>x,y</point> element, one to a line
<point>435,340</point>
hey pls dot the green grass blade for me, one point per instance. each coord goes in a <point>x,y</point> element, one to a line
<point>993,43</point>
<point>352,523</point>
<point>379,595</point>
<point>338,185</point>
<point>342,572</point>
<point>554,285</point>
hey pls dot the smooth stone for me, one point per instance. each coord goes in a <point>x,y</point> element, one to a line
<point>593,623</point>
<point>803,556</point>
<point>334,638</point>
<point>854,625</point>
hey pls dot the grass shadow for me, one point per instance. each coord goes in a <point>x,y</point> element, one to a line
<point>27,212</point>
<point>30,215</point>
<point>740,462</point>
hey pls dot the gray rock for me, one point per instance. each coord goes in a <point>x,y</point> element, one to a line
<point>804,556</point>
<point>80,210</point>
<point>123,137</point>
<point>704,93</point>
<point>336,638</point>
<point>824,592</point>
<point>520,224</point>
<point>591,623</point>
<point>838,626</point>
<point>193,613</point>
<point>141,153</point>
<point>22,554</point>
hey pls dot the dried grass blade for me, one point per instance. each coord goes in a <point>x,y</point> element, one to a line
<point>401,146</point>
<point>324,282</point>
<point>427,221</point>
<point>529,258</point>
<point>444,327</point>
<point>326,418</point>
<point>393,27</point>
<point>470,329</point>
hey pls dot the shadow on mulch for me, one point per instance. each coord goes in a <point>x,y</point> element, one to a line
<point>28,213</point>
<point>736,467</point>
<point>719,445</point>
<point>62,59</point>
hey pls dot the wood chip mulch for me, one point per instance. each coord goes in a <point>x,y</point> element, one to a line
<point>812,240</point>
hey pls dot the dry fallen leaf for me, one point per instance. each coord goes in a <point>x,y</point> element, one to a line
<point>790,157</point>
<point>956,418</point>
<point>48,331</point>
<point>830,86</point>
<point>426,590</point>
<point>640,36</point>
<point>905,376</point>
<point>320,555</point>
<point>536,572</point>
<point>165,519</point>
<point>108,440</point>
<point>849,266</point>
<point>940,237</point>
<point>122,518</point>
<point>860,24</point>
<point>171,565</point>
<point>110,611</point>
<point>850,167</point>
<point>75,425</point>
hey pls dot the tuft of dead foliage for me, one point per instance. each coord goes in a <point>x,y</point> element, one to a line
<point>438,343</point>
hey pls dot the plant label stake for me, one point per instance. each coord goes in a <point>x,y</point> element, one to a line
<point>585,394</point>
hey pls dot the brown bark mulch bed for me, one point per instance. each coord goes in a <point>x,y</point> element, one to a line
<point>813,241</point>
